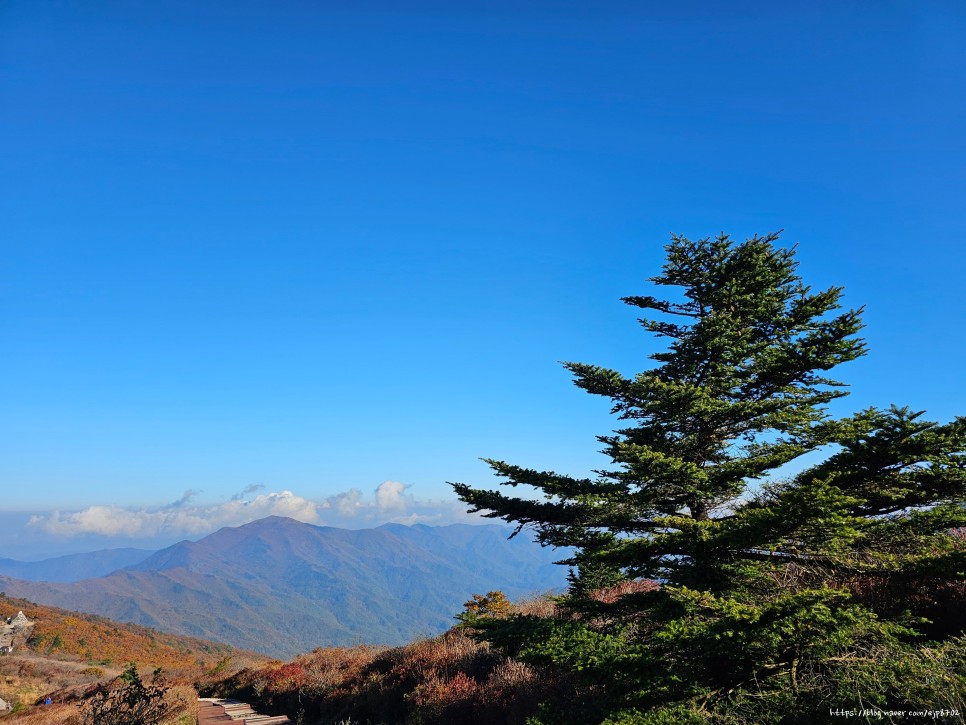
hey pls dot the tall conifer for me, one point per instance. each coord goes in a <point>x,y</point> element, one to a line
<point>764,583</point>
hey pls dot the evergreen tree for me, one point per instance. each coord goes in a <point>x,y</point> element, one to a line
<point>774,596</point>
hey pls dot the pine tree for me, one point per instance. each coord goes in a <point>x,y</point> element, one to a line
<point>763,583</point>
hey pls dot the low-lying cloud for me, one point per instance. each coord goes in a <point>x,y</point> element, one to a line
<point>391,502</point>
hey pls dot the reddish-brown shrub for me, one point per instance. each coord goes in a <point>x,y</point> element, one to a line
<point>449,679</point>
<point>609,595</point>
<point>290,676</point>
<point>544,607</point>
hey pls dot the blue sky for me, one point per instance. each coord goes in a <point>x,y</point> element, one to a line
<point>260,247</point>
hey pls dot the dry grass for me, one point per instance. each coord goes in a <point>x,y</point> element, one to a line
<point>26,681</point>
<point>183,699</point>
<point>58,714</point>
<point>610,595</point>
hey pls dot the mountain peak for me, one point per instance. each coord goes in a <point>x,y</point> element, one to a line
<point>273,521</point>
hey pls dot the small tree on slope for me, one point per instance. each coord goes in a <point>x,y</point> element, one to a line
<point>130,701</point>
<point>779,600</point>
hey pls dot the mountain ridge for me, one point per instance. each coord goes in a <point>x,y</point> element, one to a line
<point>280,586</point>
<point>73,567</point>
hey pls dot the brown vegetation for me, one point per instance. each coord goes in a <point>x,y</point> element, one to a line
<point>26,681</point>
<point>446,679</point>
<point>933,595</point>
<point>182,700</point>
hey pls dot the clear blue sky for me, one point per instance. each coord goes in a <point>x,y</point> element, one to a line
<point>317,246</point>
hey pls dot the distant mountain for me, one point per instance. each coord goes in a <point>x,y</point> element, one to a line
<point>74,567</point>
<point>282,587</point>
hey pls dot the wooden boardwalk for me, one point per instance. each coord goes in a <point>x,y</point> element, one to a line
<point>213,710</point>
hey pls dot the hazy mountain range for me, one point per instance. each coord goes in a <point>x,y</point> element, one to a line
<point>73,567</point>
<point>282,587</point>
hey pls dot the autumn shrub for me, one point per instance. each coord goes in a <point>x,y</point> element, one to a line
<point>128,700</point>
<point>544,607</point>
<point>492,604</point>
<point>451,700</point>
<point>612,594</point>
<point>444,656</point>
<point>449,679</point>
<point>516,689</point>
<point>287,677</point>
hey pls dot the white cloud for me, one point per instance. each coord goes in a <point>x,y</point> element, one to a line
<point>391,496</point>
<point>345,504</point>
<point>391,502</point>
<point>178,518</point>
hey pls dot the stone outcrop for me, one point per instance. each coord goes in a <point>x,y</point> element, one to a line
<point>14,632</point>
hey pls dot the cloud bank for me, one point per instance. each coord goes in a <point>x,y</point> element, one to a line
<point>391,502</point>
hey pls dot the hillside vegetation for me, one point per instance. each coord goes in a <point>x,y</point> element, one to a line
<point>62,634</point>
<point>69,654</point>
<point>451,679</point>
